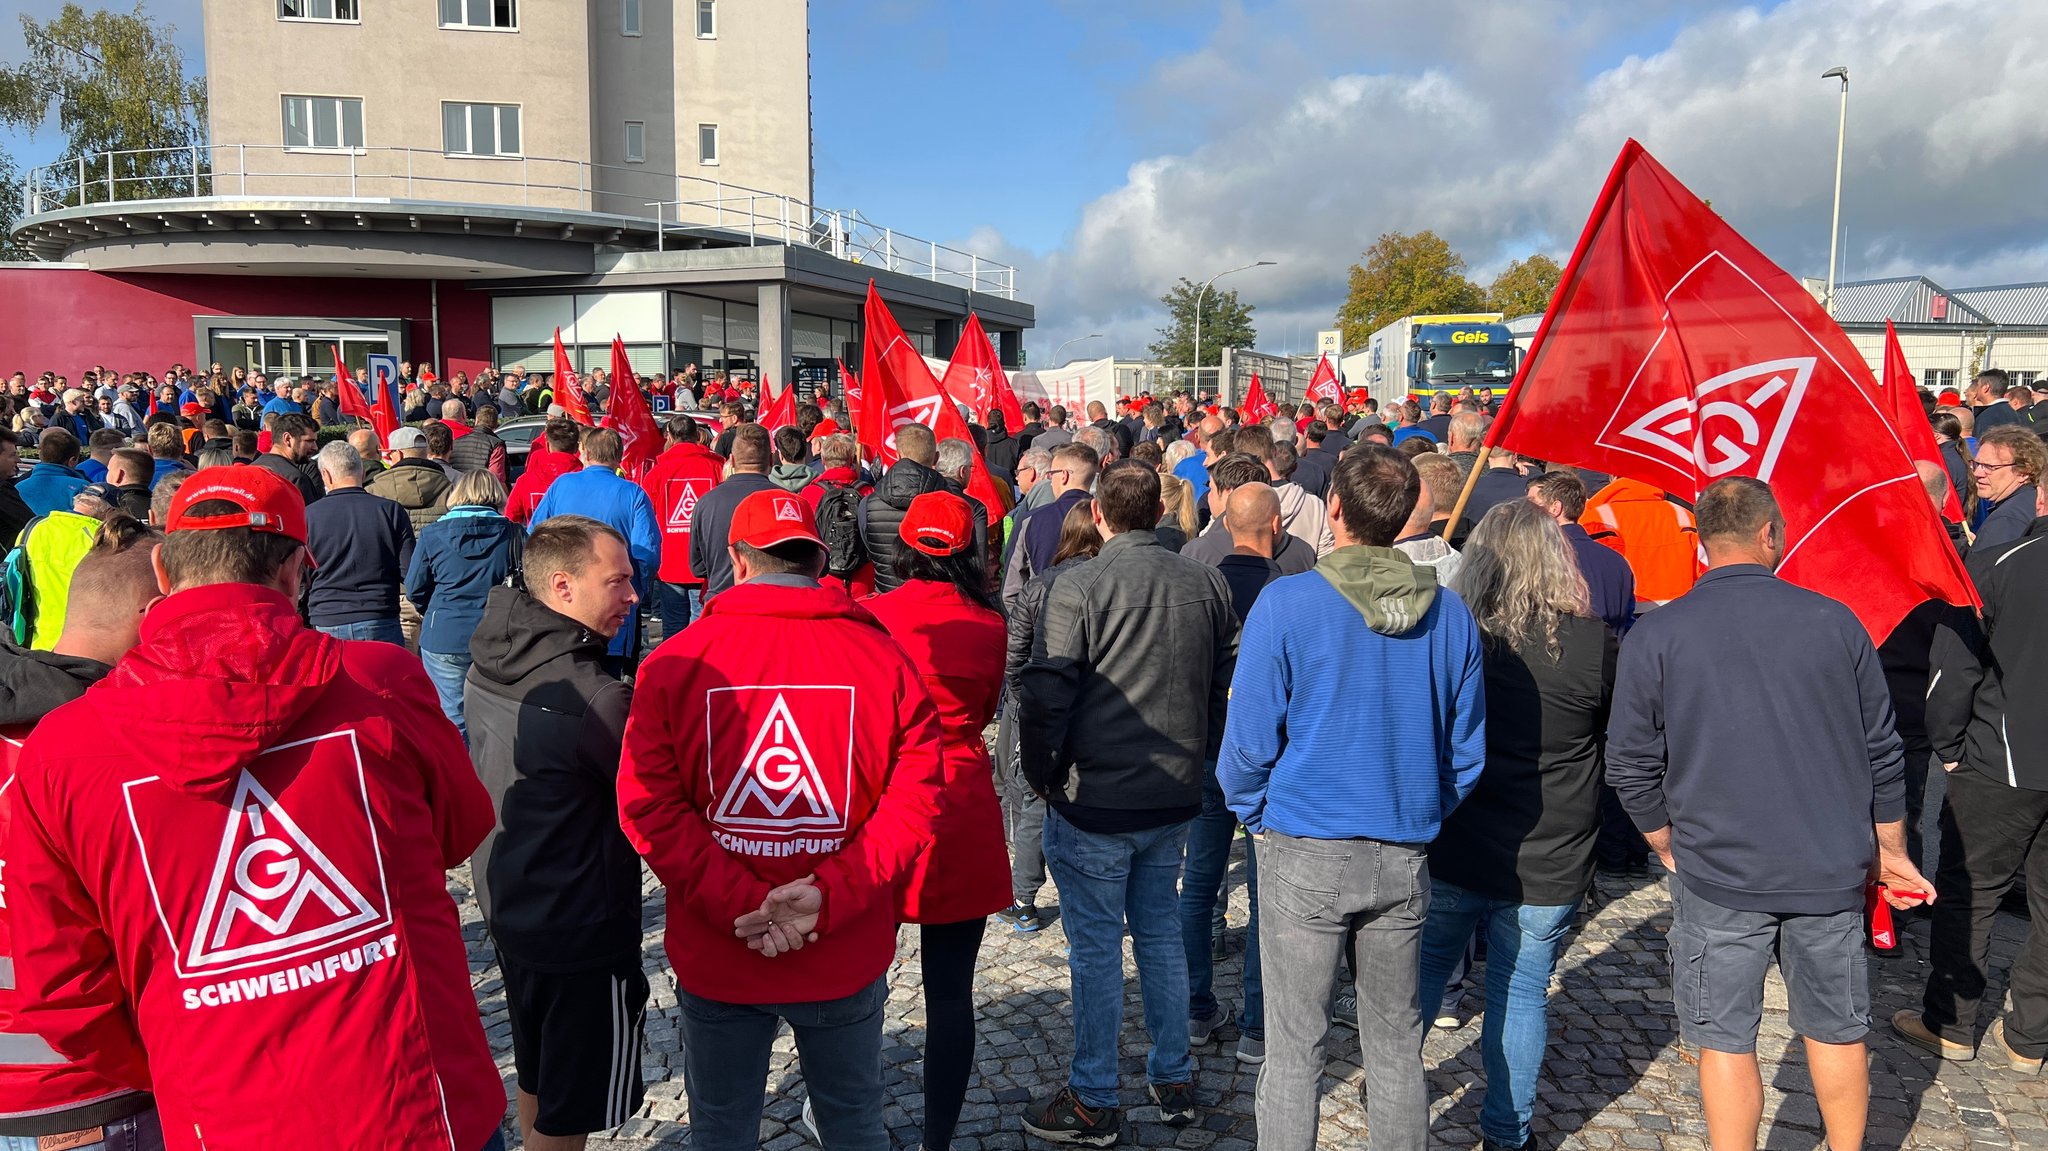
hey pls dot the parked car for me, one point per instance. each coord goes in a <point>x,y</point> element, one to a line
<point>520,434</point>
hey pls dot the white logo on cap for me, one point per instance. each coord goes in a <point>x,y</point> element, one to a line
<point>787,510</point>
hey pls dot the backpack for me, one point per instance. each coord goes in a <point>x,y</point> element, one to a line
<point>839,527</point>
<point>17,588</point>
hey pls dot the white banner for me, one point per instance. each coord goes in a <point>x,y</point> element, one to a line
<point>1073,387</point>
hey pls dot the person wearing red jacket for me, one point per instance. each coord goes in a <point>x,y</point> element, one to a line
<point>683,475</point>
<point>562,439</point>
<point>947,621</point>
<point>841,459</point>
<point>45,1099</point>
<point>780,798</point>
<point>239,903</point>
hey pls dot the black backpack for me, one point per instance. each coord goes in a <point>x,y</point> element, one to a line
<point>839,527</point>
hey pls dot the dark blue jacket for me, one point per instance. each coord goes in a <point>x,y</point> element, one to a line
<point>1997,524</point>
<point>1752,717</point>
<point>1610,582</point>
<point>459,559</point>
<point>363,545</point>
<point>49,487</point>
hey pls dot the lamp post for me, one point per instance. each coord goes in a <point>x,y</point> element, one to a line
<point>1198,314</point>
<point>1077,339</point>
<point>1841,136</point>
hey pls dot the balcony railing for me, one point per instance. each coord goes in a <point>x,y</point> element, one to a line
<point>674,204</point>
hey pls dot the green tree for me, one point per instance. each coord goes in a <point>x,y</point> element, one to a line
<point>10,210</point>
<point>115,82</point>
<point>1226,323</point>
<point>1525,287</point>
<point>1404,275</point>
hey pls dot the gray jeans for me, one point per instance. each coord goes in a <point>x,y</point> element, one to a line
<point>725,1067</point>
<point>1319,897</point>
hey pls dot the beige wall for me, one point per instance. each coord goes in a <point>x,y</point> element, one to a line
<point>577,81</point>
<point>1954,351</point>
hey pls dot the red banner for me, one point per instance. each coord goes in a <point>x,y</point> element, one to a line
<point>378,416</point>
<point>897,388</point>
<point>976,375</point>
<point>1323,387</point>
<point>568,391</point>
<point>1675,354</point>
<point>1911,419</point>
<point>779,412</point>
<point>630,416</point>
<point>1257,409</point>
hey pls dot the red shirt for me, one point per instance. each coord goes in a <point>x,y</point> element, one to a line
<point>783,734</point>
<point>682,475</point>
<point>241,903</point>
<point>958,647</point>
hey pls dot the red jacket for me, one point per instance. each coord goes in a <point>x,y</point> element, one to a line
<point>245,891</point>
<point>958,647</point>
<point>49,1084</point>
<point>681,476</point>
<point>542,468</point>
<point>783,734</point>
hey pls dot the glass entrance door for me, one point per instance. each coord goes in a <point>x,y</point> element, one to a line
<point>295,354</point>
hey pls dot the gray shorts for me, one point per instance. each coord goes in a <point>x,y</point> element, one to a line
<point>1719,957</point>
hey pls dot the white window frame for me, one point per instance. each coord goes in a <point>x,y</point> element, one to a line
<point>313,102</point>
<point>707,8</point>
<point>710,161</point>
<point>636,155</point>
<point>629,17</point>
<point>464,25</point>
<point>334,5</point>
<point>497,130</point>
<point>1938,379</point>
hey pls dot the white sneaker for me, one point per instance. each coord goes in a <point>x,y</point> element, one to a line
<point>809,1122</point>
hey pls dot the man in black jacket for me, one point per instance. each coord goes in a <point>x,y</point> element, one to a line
<point>1991,735</point>
<point>294,439</point>
<point>1769,852</point>
<point>14,511</point>
<point>2009,464</point>
<point>558,883</point>
<point>913,474</point>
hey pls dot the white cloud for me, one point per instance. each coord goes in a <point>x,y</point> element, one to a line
<point>1503,120</point>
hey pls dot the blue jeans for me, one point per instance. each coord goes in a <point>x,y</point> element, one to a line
<point>447,670</point>
<point>676,604</point>
<point>135,1133</point>
<point>1522,941</point>
<point>385,630</point>
<point>725,1067</point>
<point>1201,889</point>
<point>1106,881</point>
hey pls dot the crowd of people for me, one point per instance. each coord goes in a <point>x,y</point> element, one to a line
<point>343,669</point>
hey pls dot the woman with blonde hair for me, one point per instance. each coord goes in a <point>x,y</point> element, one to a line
<point>1514,859</point>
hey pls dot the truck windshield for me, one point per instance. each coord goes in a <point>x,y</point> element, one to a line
<point>1472,361</point>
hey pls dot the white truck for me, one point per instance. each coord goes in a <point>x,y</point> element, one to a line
<point>1419,355</point>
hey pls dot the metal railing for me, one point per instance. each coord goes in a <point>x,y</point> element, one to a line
<point>673,203</point>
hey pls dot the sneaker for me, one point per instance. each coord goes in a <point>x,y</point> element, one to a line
<point>1447,1018</point>
<point>1250,1051</point>
<point>1021,917</point>
<point>1344,1009</point>
<point>1913,1029</point>
<point>2003,1050</point>
<point>809,1122</point>
<point>1063,1118</point>
<point>1201,1031</point>
<point>1176,1103</point>
<point>1219,950</point>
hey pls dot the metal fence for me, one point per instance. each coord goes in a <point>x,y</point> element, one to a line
<point>678,205</point>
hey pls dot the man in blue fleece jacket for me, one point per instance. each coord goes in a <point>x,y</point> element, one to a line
<point>1341,827</point>
<point>1751,740</point>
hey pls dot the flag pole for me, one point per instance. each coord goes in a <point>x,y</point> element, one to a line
<point>1465,496</point>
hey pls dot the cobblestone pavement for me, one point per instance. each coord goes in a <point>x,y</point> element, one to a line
<point>1615,1077</point>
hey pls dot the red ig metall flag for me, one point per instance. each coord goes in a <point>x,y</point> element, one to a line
<point>897,388</point>
<point>1323,387</point>
<point>779,412</point>
<point>630,416</point>
<point>568,392</point>
<point>976,375</point>
<point>1257,408</point>
<point>1911,419</point>
<point>1676,354</point>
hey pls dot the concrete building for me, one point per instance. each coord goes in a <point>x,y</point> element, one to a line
<point>450,181</point>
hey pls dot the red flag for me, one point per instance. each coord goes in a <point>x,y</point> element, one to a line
<point>1675,354</point>
<point>1323,387</point>
<point>976,375</point>
<point>780,412</point>
<point>630,416</point>
<point>1257,409</point>
<point>568,392</point>
<point>353,403</point>
<point>1911,419</point>
<point>898,388</point>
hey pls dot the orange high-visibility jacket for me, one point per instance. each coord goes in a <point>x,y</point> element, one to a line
<point>1653,531</point>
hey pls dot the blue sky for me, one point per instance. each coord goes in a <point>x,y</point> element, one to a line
<point>1107,147</point>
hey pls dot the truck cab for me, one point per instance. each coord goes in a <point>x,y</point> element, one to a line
<point>1451,357</point>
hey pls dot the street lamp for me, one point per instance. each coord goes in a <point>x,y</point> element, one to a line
<point>1841,135</point>
<point>1198,314</point>
<point>1063,347</point>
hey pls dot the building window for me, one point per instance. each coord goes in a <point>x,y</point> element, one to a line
<point>317,10</point>
<point>707,143</point>
<point>480,129</point>
<point>1939,379</point>
<point>502,14</point>
<point>2024,379</point>
<point>328,122</point>
<point>707,19</point>
<point>636,142</point>
<point>629,17</point>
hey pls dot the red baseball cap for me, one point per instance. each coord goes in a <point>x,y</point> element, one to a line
<point>766,519</point>
<point>192,410</point>
<point>268,502</point>
<point>938,524</point>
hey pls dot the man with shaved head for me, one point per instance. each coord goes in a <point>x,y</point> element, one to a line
<point>1251,515</point>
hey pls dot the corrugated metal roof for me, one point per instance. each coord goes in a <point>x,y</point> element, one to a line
<point>1904,300</point>
<point>2015,304</point>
